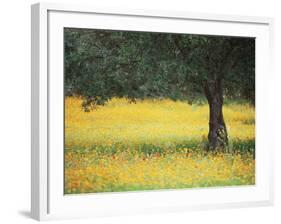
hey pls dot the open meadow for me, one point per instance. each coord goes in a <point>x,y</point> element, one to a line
<point>154,144</point>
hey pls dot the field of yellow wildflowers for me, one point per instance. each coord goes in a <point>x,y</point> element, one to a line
<point>154,144</point>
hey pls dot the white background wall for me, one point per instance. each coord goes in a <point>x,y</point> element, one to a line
<point>15,110</point>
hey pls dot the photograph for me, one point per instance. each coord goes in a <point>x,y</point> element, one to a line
<point>157,111</point>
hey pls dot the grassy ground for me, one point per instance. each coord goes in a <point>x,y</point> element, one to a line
<point>154,145</point>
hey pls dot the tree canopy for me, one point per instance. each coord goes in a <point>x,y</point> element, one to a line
<point>102,64</point>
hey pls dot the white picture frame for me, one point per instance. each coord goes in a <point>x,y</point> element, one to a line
<point>47,198</point>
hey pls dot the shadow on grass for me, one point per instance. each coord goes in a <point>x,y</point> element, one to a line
<point>234,146</point>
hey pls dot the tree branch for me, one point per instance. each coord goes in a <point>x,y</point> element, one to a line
<point>207,91</point>
<point>229,62</point>
<point>183,50</point>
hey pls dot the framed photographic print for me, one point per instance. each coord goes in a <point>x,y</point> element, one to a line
<point>138,111</point>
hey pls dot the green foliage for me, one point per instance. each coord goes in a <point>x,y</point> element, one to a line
<point>103,64</point>
<point>190,146</point>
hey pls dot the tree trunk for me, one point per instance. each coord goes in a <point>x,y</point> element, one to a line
<point>217,136</point>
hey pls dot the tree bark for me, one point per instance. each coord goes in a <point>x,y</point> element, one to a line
<point>217,136</point>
